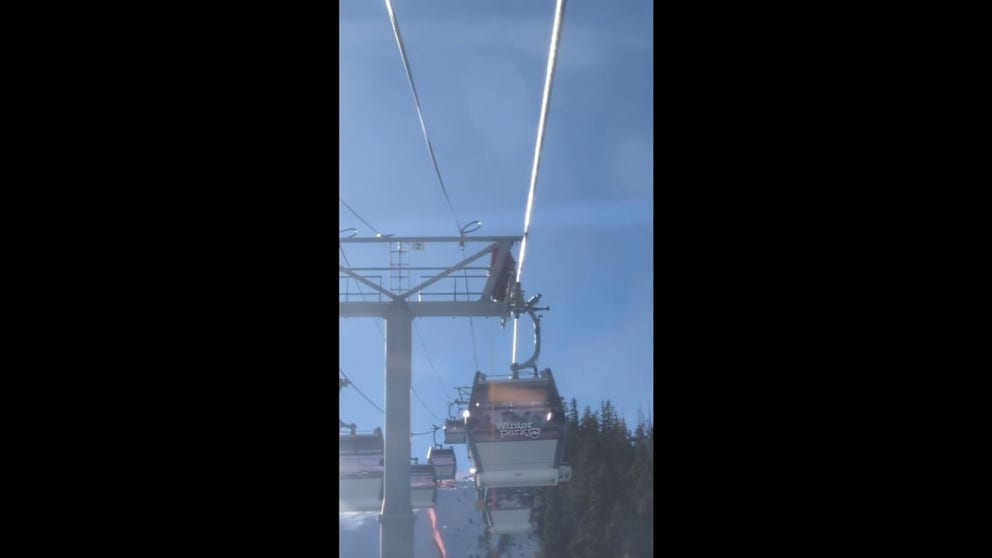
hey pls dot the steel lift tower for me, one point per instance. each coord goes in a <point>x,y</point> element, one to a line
<point>398,306</point>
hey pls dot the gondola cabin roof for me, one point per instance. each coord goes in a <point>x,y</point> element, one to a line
<point>360,443</point>
<point>435,452</point>
<point>525,391</point>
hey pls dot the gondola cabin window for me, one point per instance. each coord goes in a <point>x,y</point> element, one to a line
<point>514,411</point>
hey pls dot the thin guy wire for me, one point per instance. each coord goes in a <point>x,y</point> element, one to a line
<point>359,391</point>
<point>475,353</point>
<point>359,285</point>
<point>355,213</point>
<point>431,413</point>
<point>444,390</point>
<point>471,323</point>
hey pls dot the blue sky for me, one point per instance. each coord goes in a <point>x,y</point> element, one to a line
<point>479,68</point>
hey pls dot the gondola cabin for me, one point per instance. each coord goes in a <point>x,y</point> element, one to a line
<point>454,431</point>
<point>423,486</point>
<point>444,462</point>
<point>360,471</point>
<point>516,431</point>
<point>509,510</point>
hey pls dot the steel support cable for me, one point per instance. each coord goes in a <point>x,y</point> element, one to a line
<point>444,390</point>
<point>542,122</point>
<point>471,323</point>
<point>430,147</point>
<point>426,408</point>
<point>420,114</point>
<point>471,326</point>
<point>352,384</point>
<point>347,283</point>
<point>436,375</point>
<point>355,213</point>
<point>359,285</point>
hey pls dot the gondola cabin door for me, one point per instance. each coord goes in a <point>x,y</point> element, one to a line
<point>444,462</point>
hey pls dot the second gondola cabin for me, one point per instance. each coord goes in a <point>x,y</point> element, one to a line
<point>454,431</point>
<point>509,510</point>
<point>423,486</point>
<point>516,431</point>
<point>444,462</point>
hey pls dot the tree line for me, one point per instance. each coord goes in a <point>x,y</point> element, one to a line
<point>607,508</point>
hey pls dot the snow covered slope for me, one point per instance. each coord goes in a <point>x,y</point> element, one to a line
<point>461,525</point>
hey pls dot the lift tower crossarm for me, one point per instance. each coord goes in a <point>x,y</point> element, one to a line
<point>447,272</point>
<point>483,306</point>
<point>467,309</point>
<point>388,239</point>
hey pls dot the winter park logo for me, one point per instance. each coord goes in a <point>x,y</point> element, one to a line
<point>516,429</point>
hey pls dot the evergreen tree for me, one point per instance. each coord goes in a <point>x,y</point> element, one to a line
<point>607,508</point>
